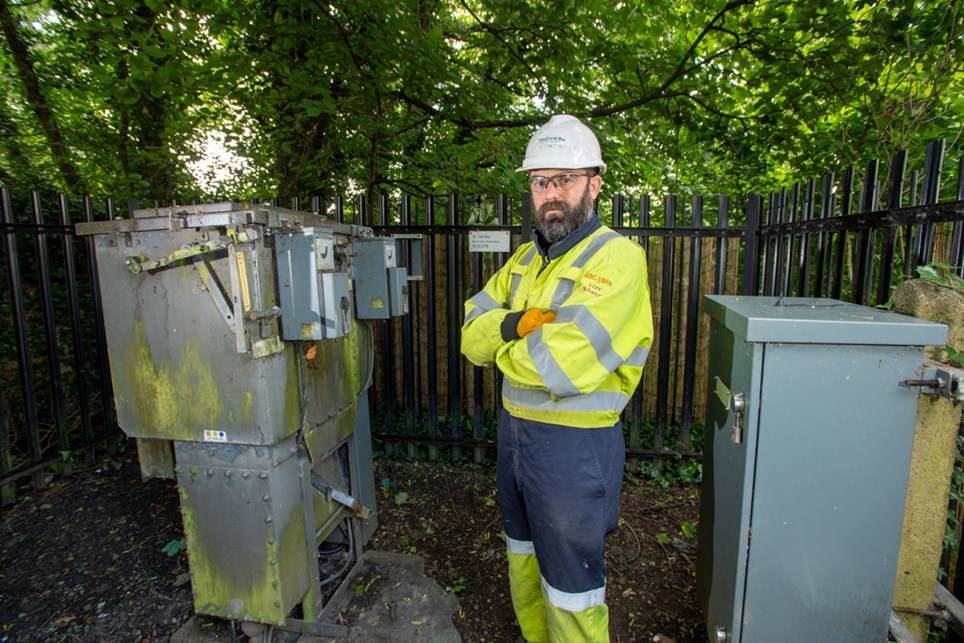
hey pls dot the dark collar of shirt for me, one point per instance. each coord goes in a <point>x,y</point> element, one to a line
<point>550,251</point>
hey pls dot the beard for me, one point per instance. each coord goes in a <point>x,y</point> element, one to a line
<point>572,217</point>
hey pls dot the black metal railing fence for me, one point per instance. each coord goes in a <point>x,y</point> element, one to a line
<point>806,240</point>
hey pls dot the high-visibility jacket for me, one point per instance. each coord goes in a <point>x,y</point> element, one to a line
<point>582,368</point>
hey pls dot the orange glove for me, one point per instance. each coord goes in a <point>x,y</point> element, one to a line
<point>533,319</point>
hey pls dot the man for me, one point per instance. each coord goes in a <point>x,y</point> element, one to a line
<point>568,322</point>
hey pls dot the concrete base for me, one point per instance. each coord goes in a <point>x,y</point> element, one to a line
<point>404,605</point>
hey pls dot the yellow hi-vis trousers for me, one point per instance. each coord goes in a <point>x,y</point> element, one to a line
<point>559,495</point>
<point>543,622</point>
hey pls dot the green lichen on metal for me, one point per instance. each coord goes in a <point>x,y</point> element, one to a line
<point>248,407</point>
<point>219,590</point>
<point>167,400</point>
<point>293,558</point>
<point>352,363</point>
<point>292,415</point>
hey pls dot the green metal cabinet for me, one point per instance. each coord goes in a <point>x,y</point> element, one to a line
<point>809,430</point>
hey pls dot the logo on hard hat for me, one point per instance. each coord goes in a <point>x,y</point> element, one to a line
<point>552,140</point>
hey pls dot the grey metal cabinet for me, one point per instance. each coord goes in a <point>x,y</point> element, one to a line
<point>809,431</point>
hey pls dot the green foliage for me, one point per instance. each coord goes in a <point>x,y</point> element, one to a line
<point>174,547</point>
<point>672,472</point>
<point>440,96</point>
<point>941,274</point>
<point>953,356</point>
<point>688,529</point>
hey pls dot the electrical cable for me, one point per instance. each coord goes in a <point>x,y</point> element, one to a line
<point>371,358</point>
<point>348,559</point>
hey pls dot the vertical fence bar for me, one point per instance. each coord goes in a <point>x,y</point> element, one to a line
<point>408,333</point>
<point>55,373</point>
<point>24,359</point>
<point>478,385</point>
<point>388,341</point>
<point>895,196</point>
<point>840,250</point>
<point>770,258</point>
<point>635,427</point>
<point>665,326</point>
<point>692,325</point>
<point>865,239</point>
<point>824,250</point>
<point>454,327</point>
<point>76,330</point>
<point>913,234</point>
<point>957,240</point>
<point>930,194</point>
<point>791,213</point>
<point>618,202</point>
<point>723,223</point>
<point>803,258</point>
<point>502,213</point>
<point>96,301</point>
<point>431,328</point>
<point>751,246</point>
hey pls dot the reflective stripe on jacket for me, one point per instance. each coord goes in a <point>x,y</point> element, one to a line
<point>581,369</point>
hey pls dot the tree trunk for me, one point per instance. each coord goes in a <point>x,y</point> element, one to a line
<point>37,101</point>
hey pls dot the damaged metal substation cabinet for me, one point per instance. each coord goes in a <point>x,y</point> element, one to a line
<point>240,364</point>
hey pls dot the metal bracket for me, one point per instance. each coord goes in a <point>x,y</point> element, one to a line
<point>138,265</point>
<point>735,402</point>
<point>942,380</point>
<point>339,496</point>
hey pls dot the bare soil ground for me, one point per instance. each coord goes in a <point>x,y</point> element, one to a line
<point>85,559</point>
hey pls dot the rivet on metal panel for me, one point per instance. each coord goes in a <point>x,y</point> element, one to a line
<point>277,603</point>
<point>177,469</point>
<point>264,475</point>
<point>271,541</point>
<point>244,475</point>
<point>210,473</point>
<point>274,562</point>
<point>266,498</point>
<point>227,473</point>
<point>268,519</point>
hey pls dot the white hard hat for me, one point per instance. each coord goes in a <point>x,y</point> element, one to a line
<point>564,143</point>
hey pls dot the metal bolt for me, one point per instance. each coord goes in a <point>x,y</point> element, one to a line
<point>266,498</point>
<point>227,474</point>
<point>274,562</point>
<point>210,473</point>
<point>244,475</point>
<point>271,540</point>
<point>268,520</point>
<point>264,475</point>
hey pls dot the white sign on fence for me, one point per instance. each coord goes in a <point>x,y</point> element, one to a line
<point>489,241</point>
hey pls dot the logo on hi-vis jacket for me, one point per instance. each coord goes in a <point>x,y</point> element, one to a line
<point>595,284</point>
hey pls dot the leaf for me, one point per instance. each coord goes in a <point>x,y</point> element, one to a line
<point>401,498</point>
<point>172,548</point>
